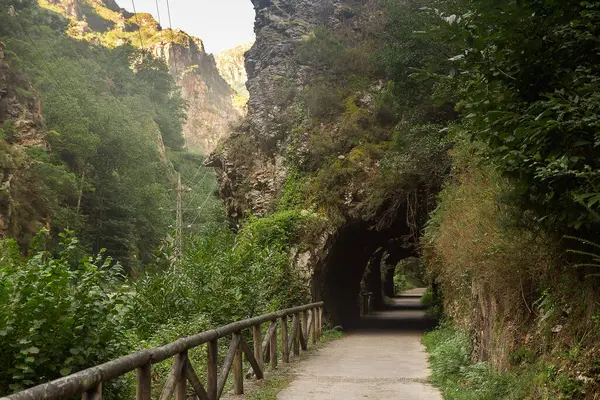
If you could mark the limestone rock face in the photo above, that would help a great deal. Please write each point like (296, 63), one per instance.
(209, 97)
(252, 164)
(20, 116)
(293, 154)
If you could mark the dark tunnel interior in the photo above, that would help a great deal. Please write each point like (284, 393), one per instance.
(338, 281)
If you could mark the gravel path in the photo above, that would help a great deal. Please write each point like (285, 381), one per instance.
(383, 360)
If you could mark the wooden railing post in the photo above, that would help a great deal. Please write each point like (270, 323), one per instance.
(257, 337)
(320, 323)
(313, 325)
(93, 394)
(173, 386)
(285, 352)
(273, 348)
(192, 377)
(211, 371)
(296, 328)
(143, 386)
(238, 373)
(304, 343)
(234, 347)
(181, 388)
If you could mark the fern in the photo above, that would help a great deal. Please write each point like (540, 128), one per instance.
(595, 257)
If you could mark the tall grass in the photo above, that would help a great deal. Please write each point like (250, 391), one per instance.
(515, 290)
(461, 379)
(486, 264)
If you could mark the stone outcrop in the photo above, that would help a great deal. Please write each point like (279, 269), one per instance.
(254, 161)
(252, 164)
(22, 127)
(293, 145)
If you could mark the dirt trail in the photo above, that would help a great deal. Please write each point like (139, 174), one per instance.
(383, 359)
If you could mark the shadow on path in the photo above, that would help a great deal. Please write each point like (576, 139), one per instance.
(403, 313)
(382, 358)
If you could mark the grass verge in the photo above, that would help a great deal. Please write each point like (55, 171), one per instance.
(458, 378)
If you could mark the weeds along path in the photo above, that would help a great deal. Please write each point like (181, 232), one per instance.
(383, 359)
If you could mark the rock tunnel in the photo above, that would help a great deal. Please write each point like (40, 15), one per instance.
(337, 281)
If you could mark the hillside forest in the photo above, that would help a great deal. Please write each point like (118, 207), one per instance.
(462, 133)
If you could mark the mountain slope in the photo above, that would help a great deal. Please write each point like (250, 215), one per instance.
(209, 97)
(84, 137)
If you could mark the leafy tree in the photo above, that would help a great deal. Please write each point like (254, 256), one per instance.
(529, 88)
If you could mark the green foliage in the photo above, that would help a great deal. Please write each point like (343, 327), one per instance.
(271, 387)
(8, 130)
(434, 305)
(69, 311)
(169, 106)
(590, 254)
(292, 195)
(529, 89)
(407, 274)
(202, 205)
(427, 299)
(108, 110)
(224, 276)
(459, 378)
(332, 334)
(414, 167)
(322, 99)
(322, 50)
(373, 129)
(58, 316)
(405, 51)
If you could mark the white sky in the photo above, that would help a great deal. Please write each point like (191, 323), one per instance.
(221, 24)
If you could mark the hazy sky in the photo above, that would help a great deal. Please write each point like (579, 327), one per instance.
(221, 24)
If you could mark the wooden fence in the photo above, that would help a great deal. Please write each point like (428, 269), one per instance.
(306, 323)
(366, 305)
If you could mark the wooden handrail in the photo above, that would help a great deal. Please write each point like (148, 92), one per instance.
(88, 383)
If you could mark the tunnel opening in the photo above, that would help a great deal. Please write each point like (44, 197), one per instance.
(358, 248)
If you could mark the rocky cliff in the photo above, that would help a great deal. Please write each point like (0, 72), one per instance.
(209, 97)
(253, 164)
(282, 76)
(22, 130)
(231, 65)
(318, 140)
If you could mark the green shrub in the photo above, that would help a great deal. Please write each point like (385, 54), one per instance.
(223, 277)
(427, 299)
(406, 274)
(323, 100)
(535, 102)
(461, 379)
(322, 50)
(8, 130)
(450, 352)
(58, 317)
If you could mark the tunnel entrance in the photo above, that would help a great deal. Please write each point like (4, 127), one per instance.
(356, 248)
